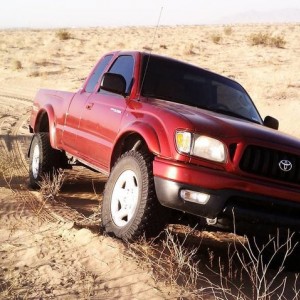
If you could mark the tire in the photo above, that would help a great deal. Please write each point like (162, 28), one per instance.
(43, 159)
(130, 208)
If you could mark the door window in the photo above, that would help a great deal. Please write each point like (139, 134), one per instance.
(97, 73)
(124, 66)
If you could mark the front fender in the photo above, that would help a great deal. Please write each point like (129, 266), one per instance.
(147, 132)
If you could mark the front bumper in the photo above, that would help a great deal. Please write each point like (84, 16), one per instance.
(231, 197)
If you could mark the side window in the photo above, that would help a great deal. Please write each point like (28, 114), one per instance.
(97, 73)
(124, 66)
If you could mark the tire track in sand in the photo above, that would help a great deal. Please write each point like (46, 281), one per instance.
(13, 145)
(15, 170)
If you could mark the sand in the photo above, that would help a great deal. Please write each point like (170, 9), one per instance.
(45, 251)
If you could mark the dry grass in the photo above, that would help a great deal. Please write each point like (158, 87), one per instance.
(249, 278)
(244, 274)
(51, 185)
(171, 262)
(7, 170)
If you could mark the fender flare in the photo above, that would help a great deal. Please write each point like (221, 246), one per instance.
(49, 111)
(147, 132)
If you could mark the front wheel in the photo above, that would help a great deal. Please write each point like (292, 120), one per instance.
(43, 159)
(130, 207)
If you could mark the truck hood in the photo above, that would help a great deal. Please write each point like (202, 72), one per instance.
(222, 126)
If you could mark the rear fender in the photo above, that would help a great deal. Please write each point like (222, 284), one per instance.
(47, 112)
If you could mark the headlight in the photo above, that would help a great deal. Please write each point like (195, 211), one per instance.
(183, 141)
(208, 148)
(200, 146)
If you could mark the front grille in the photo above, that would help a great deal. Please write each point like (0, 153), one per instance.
(271, 163)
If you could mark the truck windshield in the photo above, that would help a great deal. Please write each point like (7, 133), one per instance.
(179, 82)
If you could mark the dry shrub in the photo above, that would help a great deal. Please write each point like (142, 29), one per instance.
(34, 74)
(246, 273)
(277, 41)
(266, 39)
(51, 185)
(259, 39)
(228, 30)
(17, 65)
(42, 63)
(147, 48)
(170, 261)
(63, 35)
(190, 49)
(216, 38)
(251, 271)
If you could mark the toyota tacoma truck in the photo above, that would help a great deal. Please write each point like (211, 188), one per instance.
(169, 135)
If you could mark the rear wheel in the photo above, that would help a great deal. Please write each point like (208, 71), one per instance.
(130, 207)
(43, 159)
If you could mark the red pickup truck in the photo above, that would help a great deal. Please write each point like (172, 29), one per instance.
(169, 134)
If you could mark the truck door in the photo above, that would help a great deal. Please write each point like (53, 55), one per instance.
(102, 117)
(77, 107)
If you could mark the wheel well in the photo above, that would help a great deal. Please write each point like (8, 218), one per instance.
(42, 125)
(132, 141)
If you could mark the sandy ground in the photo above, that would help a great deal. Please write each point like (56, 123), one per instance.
(44, 251)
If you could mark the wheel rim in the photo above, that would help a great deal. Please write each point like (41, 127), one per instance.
(35, 161)
(124, 198)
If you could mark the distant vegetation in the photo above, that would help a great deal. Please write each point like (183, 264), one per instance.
(216, 38)
(266, 39)
(228, 30)
(17, 65)
(63, 35)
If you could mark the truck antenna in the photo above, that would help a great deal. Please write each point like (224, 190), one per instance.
(150, 52)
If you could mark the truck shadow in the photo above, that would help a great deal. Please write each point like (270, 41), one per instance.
(82, 190)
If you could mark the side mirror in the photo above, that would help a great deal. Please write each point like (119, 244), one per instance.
(271, 122)
(114, 83)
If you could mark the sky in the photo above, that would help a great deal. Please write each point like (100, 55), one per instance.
(113, 13)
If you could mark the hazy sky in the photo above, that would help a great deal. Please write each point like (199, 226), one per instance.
(78, 13)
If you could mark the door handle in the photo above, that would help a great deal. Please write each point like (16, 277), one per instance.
(89, 106)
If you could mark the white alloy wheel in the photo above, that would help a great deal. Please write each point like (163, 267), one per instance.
(43, 159)
(125, 198)
(35, 165)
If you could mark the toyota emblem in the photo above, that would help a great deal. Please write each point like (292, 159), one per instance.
(285, 165)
